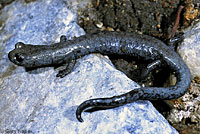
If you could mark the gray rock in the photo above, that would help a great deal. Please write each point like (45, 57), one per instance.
(39, 102)
(190, 49)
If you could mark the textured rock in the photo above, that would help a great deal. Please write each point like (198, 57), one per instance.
(39, 102)
(190, 49)
(186, 112)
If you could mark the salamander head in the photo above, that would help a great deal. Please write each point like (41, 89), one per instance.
(18, 55)
(31, 55)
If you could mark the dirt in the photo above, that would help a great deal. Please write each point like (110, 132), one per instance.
(152, 17)
(3, 3)
(155, 18)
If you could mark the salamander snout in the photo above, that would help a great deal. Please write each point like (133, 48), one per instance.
(17, 55)
(16, 58)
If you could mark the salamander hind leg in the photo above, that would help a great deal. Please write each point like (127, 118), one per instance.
(149, 68)
(69, 68)
(173, 41)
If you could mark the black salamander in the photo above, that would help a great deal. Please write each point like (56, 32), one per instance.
(131, 44)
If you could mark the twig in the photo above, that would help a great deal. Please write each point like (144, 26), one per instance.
(176, 22)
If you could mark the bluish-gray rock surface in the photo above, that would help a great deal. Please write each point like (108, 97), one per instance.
(190, 49)
(39, 102)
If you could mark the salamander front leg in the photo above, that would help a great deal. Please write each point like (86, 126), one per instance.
(69, 68)
(63, 39)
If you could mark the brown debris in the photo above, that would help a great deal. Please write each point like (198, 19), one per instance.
(197, 79)
(190, 13)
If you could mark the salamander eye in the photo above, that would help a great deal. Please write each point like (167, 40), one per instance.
(19, 57)
(19, 45)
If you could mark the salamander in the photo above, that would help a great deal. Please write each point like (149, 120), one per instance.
(120, 43)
